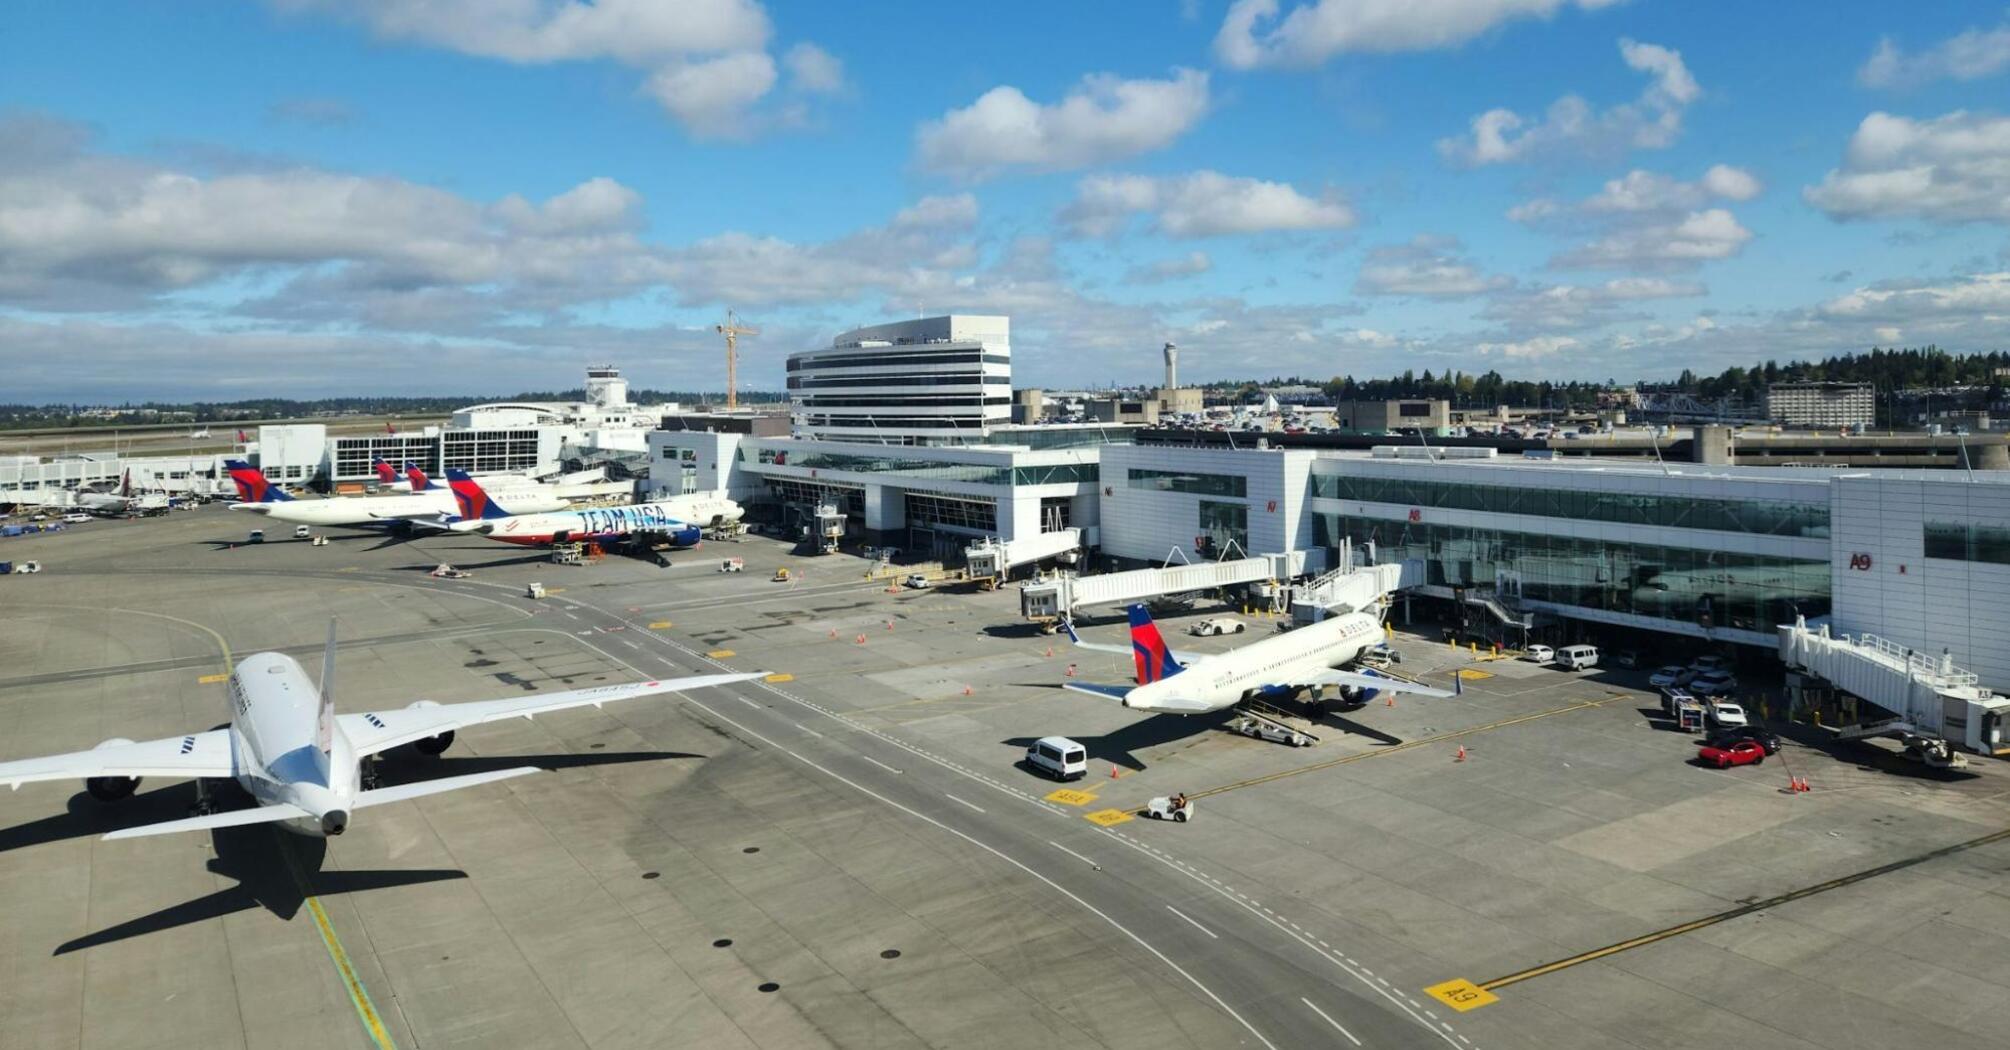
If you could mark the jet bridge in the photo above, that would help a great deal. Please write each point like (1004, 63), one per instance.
(1923, 696)
(1049, 601)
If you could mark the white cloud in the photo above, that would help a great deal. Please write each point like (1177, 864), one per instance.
(1192, 264)
(1971, 55)
(1200, 204)
(815, 70)
(1953, 168)
(1104, 118)
(1570, 126)
(1527, 349)
(711, 97)
(1252, 34)
(1695, 238)
(1645, 220)
(1571, 307)
(1983, 297)
(1428, 267)
(706, 60)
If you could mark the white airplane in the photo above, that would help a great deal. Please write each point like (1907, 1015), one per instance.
(681, 520)
(1194, 683)
(257, 495)
(303, 762)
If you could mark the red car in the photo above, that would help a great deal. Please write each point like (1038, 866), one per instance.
(1742, 753)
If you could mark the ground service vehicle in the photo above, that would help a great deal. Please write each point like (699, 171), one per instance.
(1577, 657)
(1217, 626)
(1058, 757)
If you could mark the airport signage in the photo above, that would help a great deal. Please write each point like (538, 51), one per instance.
(1860, 561)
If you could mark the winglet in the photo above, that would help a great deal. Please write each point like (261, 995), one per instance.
(324, 729)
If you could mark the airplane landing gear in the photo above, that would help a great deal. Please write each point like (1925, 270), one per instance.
(205, 803)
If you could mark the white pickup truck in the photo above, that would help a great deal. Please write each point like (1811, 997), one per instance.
(1218, 625)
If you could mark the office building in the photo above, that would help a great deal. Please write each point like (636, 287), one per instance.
(933, 380)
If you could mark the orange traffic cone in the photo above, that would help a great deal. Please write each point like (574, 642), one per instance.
(1113, 772)
(1071, 670)
(1050, 652)
(834, 632)
(966, 690)
(1392, 701)
(889, 625)
(860, 640)
(1461, 755)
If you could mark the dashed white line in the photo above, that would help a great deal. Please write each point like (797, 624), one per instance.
(744, 700)
(1075, 855)
(1190, 922)
(878, 763)
(1330, 1020)
(808, 730)
(959, 801)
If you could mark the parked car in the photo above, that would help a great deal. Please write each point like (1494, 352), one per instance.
(1742, 753)
(1669, 676)
(1767, 740)
(1577, 657)
(76, 519)
(1538, 654)
(1217, 625)
(1725, 715)
(915, 582)
(1627, 658)
(1710, 662)
(1716, 683)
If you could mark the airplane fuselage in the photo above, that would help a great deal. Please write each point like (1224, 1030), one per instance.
(683, 519)
(1222, 681)
(274, 725)
(375, 510)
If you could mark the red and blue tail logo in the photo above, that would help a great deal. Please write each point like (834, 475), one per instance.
(252, 486)
(385, 473)
(417, 478)
(1148, 649)
(474, 503)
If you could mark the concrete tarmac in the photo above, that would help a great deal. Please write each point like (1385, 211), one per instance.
(853, 855)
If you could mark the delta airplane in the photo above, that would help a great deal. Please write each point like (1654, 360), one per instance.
(1193, 683)
(415, 480)
(681, 519)
(300, 760)
(427, 501)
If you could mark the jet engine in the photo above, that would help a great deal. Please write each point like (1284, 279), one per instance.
(431, 745)
(111, 789)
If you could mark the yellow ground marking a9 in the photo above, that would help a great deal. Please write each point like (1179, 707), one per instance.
(1071, 797)
(212, 679)
(1461, 995)
(720, 654)
(1472, 675)
(782, 677)
(1107, 817)
(661, 625)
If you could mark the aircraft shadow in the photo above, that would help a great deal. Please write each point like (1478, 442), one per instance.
(1119, 748)
(1330, 716)
(402, 765)
(254, 857)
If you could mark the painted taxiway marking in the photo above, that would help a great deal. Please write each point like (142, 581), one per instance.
(359, 996)
(1107, 817)
(780, 677)
(1329, 1020)
(880, 764)
(1075, 855)
(1461, 995)
(810, 731)
(1070, 797)
(720, 654)
(1725, 916)
(661, 625)
(961, 802)
(1190, 922)
(212, 679)
(744, 700)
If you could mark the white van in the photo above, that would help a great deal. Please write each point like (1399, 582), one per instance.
(1577, 657)
(1058, 757)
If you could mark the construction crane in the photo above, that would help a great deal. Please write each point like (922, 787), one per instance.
(732, 330)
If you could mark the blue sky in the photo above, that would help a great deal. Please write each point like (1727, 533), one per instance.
(309, 196)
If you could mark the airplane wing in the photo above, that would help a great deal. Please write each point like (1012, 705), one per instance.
(375, 731)
(1379, 683)
(194, 755)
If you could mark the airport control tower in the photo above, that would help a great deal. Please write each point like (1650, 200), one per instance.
(1172, 367)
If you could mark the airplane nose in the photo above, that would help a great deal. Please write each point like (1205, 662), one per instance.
(334, 822)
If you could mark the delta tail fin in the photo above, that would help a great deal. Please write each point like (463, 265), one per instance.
(1148, 649)
(474, 504)
(386, 474)
(418, 479)
(252, 485)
